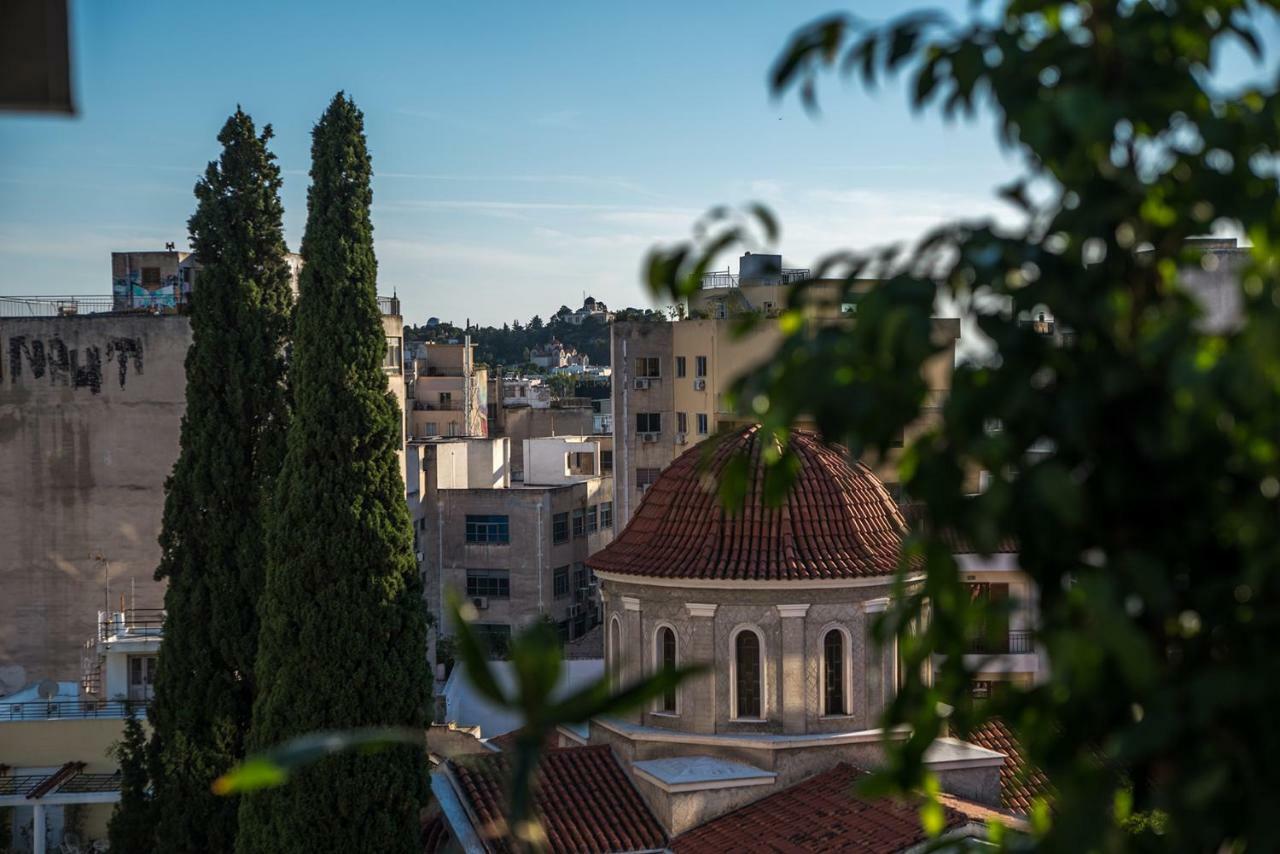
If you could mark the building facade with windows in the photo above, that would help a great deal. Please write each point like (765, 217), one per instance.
(512, 550)
(449, 393)
(670, 381)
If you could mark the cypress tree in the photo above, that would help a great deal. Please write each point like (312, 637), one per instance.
(343, 635)
(232, 446)
(132, 824)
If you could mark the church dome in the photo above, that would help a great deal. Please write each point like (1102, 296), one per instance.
(838, 521)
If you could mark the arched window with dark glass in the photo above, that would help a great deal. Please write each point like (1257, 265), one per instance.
(747, 675)
(666, 650)
(835, 694)
(615, 651)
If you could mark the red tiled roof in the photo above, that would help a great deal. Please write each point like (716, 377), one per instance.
(585, 801)
(822, 813)
(837, 522)
(1020, 783)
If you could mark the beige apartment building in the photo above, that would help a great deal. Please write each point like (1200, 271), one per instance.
(670, 378)
(91, 406)
(513, 550)
(449, 393)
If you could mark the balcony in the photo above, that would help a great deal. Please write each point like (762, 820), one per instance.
(1012, 643)
(725, 279)
(55, 709)
(133, 624)
(437, 406)
(389, 305)
(72, 306)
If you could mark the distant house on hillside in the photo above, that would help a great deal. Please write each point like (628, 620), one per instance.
(591, 311)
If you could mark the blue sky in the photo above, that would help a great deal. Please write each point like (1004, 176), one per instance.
(524, 153)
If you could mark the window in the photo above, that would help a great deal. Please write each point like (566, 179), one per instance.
(700, 366)
(606, 461)
(665, 657)
(593, 519)
(702, 424)
(560, 581)
(614, 652)
(151, 277)
(495, 637)
(488, 529)
(581, 579)
(431, 428)
(835, 699)
(746, 677)
(682, 422)
(560, 528)
(579, 522)
(648, 422)
(647, 366)
(493, 583)
(394, 355)
(680, 366)
(646, 478)
(606, 514)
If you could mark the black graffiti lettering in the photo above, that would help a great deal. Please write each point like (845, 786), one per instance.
(34, 352)
(121, 349)
(59, 363)
(88, 375)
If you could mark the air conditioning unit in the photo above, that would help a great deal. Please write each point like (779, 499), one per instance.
(481, 603)
(642, 384)
(418, 555)
(699, 385)
(648, 437)
(680, 439)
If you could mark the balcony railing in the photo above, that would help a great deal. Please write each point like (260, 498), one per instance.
(1013, 643)
(389, 305)
(725, 279)
(46, 710)
(54, 306)
(131, 624)
(437, 406)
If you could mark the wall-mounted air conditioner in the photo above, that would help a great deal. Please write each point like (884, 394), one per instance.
(642, 384)
(699, 385)
(481, 603)
(648, 437)
(681, 439)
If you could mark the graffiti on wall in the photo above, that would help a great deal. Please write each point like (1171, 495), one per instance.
(129, 292)
(70, 366)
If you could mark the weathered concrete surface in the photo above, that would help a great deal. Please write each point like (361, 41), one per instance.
(90, 413)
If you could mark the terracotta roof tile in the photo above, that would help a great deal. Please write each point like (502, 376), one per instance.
(823, 813)
(1020, 783)
(585, 800)
(838, 521)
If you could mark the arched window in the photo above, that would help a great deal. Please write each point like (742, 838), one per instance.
(615, 651)
(747, 677)
(835, 683)
(664, 655)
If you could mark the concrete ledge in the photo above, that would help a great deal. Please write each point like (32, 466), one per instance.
(696, 773)
(952, 754)
(755, 741)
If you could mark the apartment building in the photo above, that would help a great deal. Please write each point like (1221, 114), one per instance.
(450, 393)
(514, 550)
(670, 378)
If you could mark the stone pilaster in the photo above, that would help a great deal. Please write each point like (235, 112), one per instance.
(792, 666)
(699, 692)
(877, 678)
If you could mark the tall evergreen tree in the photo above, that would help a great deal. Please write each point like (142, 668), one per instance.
(232, 446)
(132, 825)
(343, 637)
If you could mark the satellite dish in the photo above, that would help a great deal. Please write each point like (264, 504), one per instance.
(47, 689)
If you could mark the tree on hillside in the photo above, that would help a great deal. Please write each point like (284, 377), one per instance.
(343, 635)
(1136, 463)
(232, 443)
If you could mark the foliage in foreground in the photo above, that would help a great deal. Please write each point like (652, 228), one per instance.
(343, 625)
(232, 444)
(1136, 462)
(537, 662)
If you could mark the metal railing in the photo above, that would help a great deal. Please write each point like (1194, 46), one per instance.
(389, 305)
(442, 406)
(55, 306)
(45, 710)
(725, 279)
(1013, 643)
(134, 622)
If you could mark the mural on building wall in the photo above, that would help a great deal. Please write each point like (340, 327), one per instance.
(129, 292)
(70, 366)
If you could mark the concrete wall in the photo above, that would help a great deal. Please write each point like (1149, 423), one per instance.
(90, 412)
(522, 422)
(547, 459)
